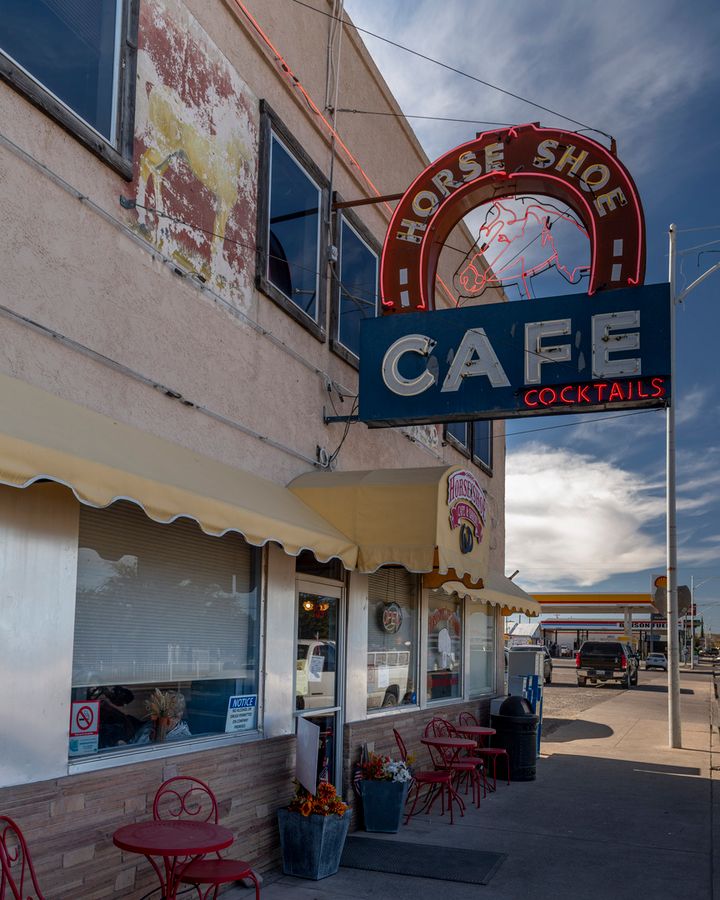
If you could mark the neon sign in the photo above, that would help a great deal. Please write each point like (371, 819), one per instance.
(501, 360)
(496, 261)
(521, 160)
(598, 393)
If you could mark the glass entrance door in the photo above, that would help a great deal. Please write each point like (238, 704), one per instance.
(319, 669)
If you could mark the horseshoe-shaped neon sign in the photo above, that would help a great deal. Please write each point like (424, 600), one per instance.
(521, 160)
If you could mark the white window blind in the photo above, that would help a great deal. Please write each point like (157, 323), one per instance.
(481, 641)
(160, 603)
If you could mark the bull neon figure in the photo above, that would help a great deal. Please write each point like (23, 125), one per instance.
(501, 230)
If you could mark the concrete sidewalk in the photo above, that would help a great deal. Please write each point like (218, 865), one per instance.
(613, 814)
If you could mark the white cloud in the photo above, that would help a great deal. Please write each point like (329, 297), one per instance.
(575, 520)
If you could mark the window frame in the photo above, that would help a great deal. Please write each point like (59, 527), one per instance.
(118, 156)
(492, 690)
(468, 450)
(428, 701)
(374, 246)
(271, 124)
(418, 667)
(128, 754)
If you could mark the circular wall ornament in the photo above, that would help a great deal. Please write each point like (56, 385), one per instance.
(391, 617)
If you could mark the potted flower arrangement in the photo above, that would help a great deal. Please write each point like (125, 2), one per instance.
(384, 788)
(313, 829)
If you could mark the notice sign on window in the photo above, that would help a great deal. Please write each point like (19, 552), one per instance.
(84, 727)
(241, 713)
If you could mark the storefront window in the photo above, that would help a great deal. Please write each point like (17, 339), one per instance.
(481, 641)
(392, 638)
(166, 632)
(444, 648)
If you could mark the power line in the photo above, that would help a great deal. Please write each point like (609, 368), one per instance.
(700, 228)
(638, 412)
(370, 112)
(450, 68)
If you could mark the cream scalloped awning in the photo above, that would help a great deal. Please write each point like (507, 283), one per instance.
(395, 516)
(498, 591)
(45, 437)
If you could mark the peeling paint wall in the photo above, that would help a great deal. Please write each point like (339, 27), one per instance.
(196, 137)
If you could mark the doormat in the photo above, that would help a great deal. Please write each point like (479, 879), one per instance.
(420, 860)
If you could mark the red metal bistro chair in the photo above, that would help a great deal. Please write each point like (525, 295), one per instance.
(488, 753)
(468, 768)
(188, 798)
(438, 782)
(17, 875)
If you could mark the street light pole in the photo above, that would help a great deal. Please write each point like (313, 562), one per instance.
(672, 596)
(692, 621)
(674, 730)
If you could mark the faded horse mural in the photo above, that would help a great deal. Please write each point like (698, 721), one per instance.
(195, 150)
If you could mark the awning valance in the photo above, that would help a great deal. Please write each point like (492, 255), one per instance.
(407, 517)
(498, 591)
(45, 437)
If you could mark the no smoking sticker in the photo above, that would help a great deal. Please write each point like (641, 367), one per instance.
(84, 718)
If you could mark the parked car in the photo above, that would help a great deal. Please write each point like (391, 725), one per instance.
(656, 661)
(547, 659)
(708, 651)
(565, 652)
(601, 661)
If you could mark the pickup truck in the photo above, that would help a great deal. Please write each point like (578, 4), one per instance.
(606, 661)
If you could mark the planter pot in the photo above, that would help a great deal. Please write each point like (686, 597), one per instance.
(383, 804)
(312, 845)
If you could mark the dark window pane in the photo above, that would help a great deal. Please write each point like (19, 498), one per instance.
(459, 431)
(482, 442)
(358, 287)
(294, 231)
(70, 47)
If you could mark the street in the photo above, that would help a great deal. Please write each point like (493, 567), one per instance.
(563, 700)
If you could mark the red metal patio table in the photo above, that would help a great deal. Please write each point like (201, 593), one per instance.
(449, 748)
(178, 843)
(480, 732)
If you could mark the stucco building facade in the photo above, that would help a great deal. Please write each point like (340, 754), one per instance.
(180, 309)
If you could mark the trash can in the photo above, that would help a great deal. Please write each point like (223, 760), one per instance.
(516, 730)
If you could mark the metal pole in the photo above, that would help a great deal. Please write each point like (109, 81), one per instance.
(675, 735)
(692, 621)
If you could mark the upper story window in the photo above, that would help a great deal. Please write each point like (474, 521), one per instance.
(356, 289)
(291, 248)
(75, 59)
(473, 439)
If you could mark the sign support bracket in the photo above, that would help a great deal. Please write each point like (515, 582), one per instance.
(331, 420)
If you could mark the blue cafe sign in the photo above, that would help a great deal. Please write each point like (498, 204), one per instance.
(569, 354)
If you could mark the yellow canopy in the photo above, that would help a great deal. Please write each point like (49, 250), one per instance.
(101, 460)
(395, 516)
(498, 591)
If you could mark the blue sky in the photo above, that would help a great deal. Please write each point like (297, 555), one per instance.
(586, 501)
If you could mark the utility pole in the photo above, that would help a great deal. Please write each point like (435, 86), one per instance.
(692, 621)
(674, 730)
(672, 594)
